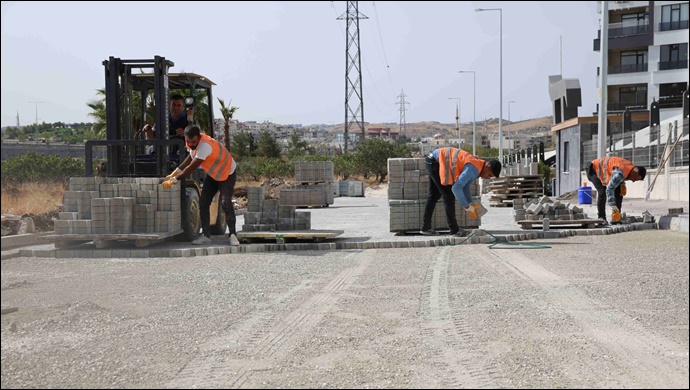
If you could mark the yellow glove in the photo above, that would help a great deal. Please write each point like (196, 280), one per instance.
(176, 172)
(615, 214)
(624, 190)
(472, 210)
(169, 183)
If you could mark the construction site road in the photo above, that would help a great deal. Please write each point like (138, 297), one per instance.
(601, 311)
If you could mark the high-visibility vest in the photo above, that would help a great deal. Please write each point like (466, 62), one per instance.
(218, 163)
(451, 162)
(604, 167)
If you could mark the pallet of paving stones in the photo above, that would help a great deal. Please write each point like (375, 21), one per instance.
(103, 240)
(281, 236)
(586, 223)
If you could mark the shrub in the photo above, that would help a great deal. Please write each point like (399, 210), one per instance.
(34, 166)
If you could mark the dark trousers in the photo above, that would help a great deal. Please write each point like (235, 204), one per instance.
(436, 191)
(211, 187)
(601, 193)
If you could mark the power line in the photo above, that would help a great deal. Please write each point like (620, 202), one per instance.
(383, 49)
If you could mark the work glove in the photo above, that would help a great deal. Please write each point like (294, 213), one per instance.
(176, 172)
(472, 210)
(169, 183)
(624, 190)
(615, 214)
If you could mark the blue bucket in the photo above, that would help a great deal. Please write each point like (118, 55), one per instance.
(584, 195)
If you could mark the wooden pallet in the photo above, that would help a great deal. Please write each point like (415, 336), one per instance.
(104, 240)
(555, 223)
(279, 237)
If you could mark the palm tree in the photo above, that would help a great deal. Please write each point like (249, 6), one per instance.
(98, 113)
(228, 112)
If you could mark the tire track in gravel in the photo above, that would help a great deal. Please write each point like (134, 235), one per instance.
(266, 336)
(456, 345)
(645, 356)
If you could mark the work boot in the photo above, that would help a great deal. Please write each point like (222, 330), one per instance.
(202, 241)
(429, 232)
(603, 223)
(460, 233)
(233, 240)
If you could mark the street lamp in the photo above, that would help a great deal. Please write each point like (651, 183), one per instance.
(500, 82)
(474, 111)
(509, 122)
(457, 118)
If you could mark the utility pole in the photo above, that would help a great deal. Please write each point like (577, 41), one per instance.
(402, 103)
(36, 103)
(354, 111)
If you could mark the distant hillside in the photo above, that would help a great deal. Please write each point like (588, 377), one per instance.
(428, 129)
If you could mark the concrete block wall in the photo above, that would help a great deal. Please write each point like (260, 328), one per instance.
(408, 186)
(269, 215)
(97, 205)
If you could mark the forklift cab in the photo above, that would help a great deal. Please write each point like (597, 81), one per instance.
(133, 100)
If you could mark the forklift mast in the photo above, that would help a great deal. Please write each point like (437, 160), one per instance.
(125, 153)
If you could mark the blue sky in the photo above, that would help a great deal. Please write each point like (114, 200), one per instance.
(285, 61)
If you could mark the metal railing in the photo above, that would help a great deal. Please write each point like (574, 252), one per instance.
(618, 30)
(668, 65)
(677, 25)
(649, 155)
(631, 68)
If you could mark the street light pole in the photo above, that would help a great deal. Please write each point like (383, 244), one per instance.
(36, 103)
(500, 82)
(509, 123)
(474, 111)
(457, 118)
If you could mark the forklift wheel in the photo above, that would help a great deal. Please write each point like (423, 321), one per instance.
(191, 218)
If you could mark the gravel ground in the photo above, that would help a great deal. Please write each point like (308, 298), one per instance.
(587, 312)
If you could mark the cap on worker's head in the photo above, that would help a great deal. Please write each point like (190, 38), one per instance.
(495, 166)
(642, 171)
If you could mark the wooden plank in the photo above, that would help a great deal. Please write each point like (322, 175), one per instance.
(280, 236)
(528, 224)
(110, 236)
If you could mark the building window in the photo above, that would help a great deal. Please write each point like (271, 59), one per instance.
(631, 61)
(633, 96)
(671, 95)
(674, 56)
(566, 156)
(674, 17)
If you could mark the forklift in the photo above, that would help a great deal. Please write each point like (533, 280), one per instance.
(129, 154)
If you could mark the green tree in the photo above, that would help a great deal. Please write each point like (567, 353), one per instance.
(345, 164)
(297, 146)
(267, 145)
(243, 146)
(227, 112)
(482, 151)
(373, 155)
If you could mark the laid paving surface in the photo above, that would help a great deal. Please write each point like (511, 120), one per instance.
(365, 225)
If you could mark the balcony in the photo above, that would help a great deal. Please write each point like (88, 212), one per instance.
(671, 101)
(618, 30)
(668, 65)
(670, 26)
(632, 68)
(621, 106)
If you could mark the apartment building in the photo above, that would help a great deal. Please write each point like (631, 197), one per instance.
(647, 55)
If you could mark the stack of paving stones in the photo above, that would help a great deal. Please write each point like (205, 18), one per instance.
(267, 215)
(408, 186)
(97, 205)
(351, 188)
(314, 185)
(537, 209)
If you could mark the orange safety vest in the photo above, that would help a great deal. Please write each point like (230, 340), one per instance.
(604, 167)
(451, 162)
(218, 163)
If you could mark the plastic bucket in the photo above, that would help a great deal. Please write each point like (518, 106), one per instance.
(584, 195)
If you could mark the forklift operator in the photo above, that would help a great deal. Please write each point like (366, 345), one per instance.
(177, 121)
